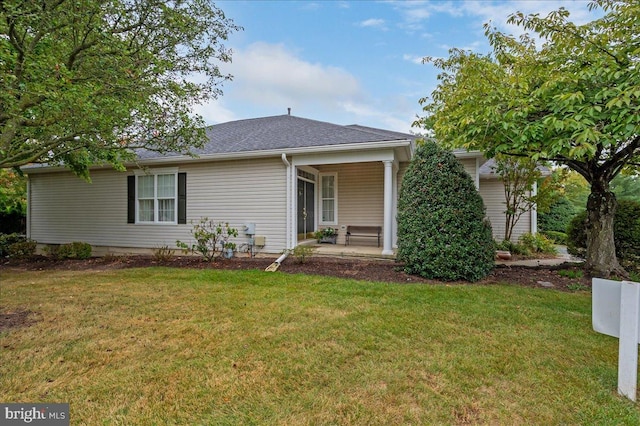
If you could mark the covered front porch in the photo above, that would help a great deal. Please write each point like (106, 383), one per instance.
(341, 190)
(341, 250)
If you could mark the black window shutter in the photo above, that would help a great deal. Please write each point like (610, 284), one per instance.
(131, 199)
(182, 198)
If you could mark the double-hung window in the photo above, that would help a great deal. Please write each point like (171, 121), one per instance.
(157, 197)
(328, 199)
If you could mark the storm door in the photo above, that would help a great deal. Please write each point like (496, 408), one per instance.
(306, 208)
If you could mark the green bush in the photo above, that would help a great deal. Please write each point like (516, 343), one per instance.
(442, 230)
(22, 250)
(75, 250)
(537, 243)
(163, 254)
(557, 237)
(558, 217)
(303, 252)
(513, 248)
(8, 239)
(211, 238)
(626, 231)
(577, 235)
(16, 246)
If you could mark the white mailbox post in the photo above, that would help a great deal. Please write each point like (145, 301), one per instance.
(616, 312)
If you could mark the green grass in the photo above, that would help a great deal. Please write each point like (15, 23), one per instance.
(175, 346)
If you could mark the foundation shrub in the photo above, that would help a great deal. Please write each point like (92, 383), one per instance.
(17, 246)
(442, 230)
(74, 250)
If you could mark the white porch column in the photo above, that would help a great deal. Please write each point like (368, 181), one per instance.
(388, 207)
(394, 208)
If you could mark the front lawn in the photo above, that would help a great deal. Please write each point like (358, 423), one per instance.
(180, 346)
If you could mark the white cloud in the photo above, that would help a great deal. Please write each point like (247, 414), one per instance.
(215, 112)
(269, 78)
(388, 118)
(413, 58)
(417, 13)
(269, 74)
(373, 23)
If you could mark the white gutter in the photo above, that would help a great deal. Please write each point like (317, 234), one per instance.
(467, 154)
(240, 155)
(288, 201)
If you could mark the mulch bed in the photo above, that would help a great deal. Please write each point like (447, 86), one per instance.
(359, 269)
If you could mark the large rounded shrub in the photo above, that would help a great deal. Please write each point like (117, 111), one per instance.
(442, 230)
(626, 232)
(558, 217)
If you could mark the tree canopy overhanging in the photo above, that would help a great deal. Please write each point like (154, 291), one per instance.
(89, 82)
(574, 100)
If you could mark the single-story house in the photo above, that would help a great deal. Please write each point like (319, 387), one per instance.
(276, 179)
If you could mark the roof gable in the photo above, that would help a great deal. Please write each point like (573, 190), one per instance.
(284, 132)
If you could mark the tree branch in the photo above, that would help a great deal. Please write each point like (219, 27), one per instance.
(624, 154)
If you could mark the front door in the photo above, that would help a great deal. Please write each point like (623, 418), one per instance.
(306, 208)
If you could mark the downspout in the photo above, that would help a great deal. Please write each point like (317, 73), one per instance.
(288, 202)
(534, 211)
(28, 224)
(275, 265)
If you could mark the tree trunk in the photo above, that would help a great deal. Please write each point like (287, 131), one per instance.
(601, 250)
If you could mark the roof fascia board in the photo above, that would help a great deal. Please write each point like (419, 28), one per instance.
(343, 157)
(468, 154)
(404, 143)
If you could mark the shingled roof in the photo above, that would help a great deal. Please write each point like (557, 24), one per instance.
(283, 132)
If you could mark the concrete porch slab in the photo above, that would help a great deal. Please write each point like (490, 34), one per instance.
(340, 250)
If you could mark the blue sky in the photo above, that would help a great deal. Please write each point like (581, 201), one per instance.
(352, 62)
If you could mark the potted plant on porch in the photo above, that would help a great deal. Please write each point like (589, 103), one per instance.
(327, 235)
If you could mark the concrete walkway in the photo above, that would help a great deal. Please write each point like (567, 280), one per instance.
(562, 257)
(368, 252)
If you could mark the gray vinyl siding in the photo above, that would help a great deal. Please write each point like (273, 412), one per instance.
(360, 196)
(64, 208)
(492, 192)
(469, 165)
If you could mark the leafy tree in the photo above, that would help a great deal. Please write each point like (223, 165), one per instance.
(13, 202)
(577, 190)
(13, 192)
(626, 187)
(573, 100)
(442, 230)
(518, 176)
(90, 81)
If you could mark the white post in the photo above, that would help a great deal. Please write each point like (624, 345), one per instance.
(628, 348)
(388, 207)
(534, 211)
(394, 207)
(288, 198)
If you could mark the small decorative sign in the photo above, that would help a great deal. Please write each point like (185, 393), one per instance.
(616, 313)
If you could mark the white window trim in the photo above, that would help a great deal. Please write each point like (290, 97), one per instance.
(155, 172)
(335, 198)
